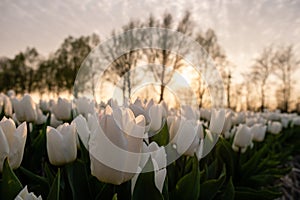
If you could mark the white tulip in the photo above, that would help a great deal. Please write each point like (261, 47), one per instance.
(85, 127)
(61, 144)
(205, 114)
(156, 113)
(189, 113)
(296, 121)
(85, 106)
(54, 122)
(217, 121)
(258, 132)
(41, 118)
(186, 135)
(159, 160)
(5, 105)
(25, 109)
(227, 125)
(25, 195)
(274, 127)
(62, 109)
(12, 142)
(242, 138)
(285, 121)
(115, 145)
(44, 106)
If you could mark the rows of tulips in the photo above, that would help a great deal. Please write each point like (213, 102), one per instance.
(53, 150)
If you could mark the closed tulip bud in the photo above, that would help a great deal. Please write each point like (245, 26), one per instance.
(242, 138)
(5, 105)
(115, 145)
(274, 127)
(205, 114)
(217, 121)
(189, 113)
(12, 142)
(250, 121)
(62, 109)
(186, 135)
(25, 109)
(25, 195)
(85, 106)
(159, 160)
(227, 123)
(44, 106)
(285, 121)
(296, 121)
(41, 118)
(61, 144)
(258, 132)
(156, 113)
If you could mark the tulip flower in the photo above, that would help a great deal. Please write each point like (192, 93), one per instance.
(156, 113)
(205, 114)
(115, 145)
(296, 121)
(40, 117)
(285, 121)
(227, 125)
(5, 105)
(159, 159)
(242, 138)
(186, 135)
(44, 106)
(12, 142)
(54, 122)
(62, 109)
(25, 109)
(61, 144)
(258, 132)
(25, 195)
(217, 121)
(274, 127)
(189, 113)
(85, 106)
(85, 127)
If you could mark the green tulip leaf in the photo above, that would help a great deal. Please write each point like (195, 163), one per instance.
(209, 188)
(78, 180)
(10, 186)
(145, 187)
(54, 193)
(188, 187)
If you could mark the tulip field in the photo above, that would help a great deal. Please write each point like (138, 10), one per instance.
(81, 149)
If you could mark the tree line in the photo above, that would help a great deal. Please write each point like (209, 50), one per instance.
(28, 71)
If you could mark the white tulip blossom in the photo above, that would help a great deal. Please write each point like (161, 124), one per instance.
(274, 127)
(242, 138)
(25, 109)
(114, 142)
(85, 106)
(25, 195)
(5, 105)
(258, 132)
(62, 109)
(61, 144)
(296, 121)
(185, 134)
(217, 121)
(12, 142)
(159, 159)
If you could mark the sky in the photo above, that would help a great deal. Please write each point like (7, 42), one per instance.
(243, 27)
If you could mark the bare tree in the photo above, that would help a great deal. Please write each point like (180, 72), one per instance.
(261, 72)
(209, 42)
(285, 65)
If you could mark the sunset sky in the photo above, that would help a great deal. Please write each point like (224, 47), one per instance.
(243, 28)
